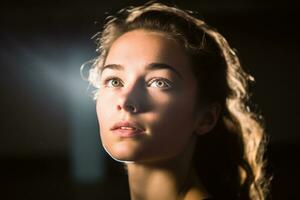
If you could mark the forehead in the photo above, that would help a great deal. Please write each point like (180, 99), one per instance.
(140, 47)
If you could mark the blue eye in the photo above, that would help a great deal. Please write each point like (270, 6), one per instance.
(160, 83)
(113, 82)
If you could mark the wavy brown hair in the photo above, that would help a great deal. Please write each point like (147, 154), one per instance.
(229, 160)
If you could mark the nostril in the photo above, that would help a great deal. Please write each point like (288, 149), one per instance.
(119, 107)
(128, 107)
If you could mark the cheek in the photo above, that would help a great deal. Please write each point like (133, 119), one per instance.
(178, 116)
(174, 118)
(104, 109)
(176, 106)
(104, 115)
(104, 106)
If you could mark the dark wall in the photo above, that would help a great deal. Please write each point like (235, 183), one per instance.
(41, 42)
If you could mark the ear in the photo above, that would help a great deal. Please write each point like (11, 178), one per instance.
(208, 118)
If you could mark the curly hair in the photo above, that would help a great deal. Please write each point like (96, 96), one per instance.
(230, 159)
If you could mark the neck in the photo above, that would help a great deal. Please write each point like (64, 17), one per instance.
(171, 179)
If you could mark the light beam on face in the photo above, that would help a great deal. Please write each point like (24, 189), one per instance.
(152, 74)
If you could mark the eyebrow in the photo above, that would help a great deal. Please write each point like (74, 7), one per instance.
(151, 66)
(111, 66)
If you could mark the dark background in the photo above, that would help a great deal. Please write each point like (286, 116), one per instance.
(43, 44)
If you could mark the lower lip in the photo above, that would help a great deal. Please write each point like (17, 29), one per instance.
(128, 132)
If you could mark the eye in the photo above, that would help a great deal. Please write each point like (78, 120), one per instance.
(160, 83)
(113, 82)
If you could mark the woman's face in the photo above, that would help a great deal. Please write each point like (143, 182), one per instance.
(147, 85)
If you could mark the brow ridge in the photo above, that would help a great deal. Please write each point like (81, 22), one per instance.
(151, 66)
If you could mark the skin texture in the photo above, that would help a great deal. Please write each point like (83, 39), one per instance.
(164, 105)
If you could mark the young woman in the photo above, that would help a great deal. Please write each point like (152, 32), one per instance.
(172, 106)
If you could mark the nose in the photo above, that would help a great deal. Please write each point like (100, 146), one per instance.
(130, 99)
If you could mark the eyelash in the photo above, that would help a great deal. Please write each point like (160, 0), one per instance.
(166, 82)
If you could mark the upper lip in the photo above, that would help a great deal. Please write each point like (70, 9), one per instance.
(127, 124)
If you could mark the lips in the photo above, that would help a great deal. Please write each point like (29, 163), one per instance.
(124, 125)
(127, 129)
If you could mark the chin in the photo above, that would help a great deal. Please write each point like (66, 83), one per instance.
(123, 153)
